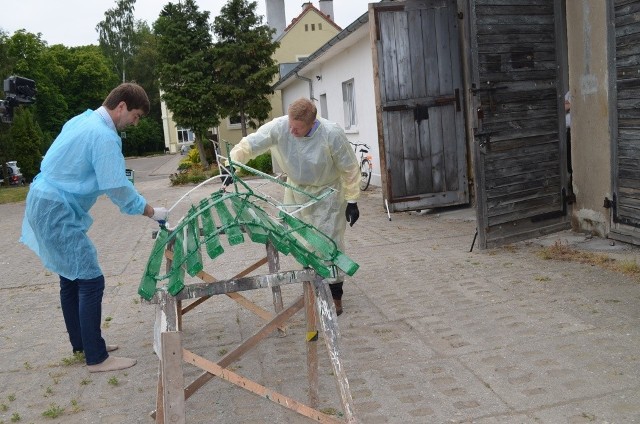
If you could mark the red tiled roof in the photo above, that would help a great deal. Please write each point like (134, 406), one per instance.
(309, 7)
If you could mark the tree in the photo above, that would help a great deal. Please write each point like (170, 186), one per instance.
(143, 138)
(26, 138)
(143, 68)
(88, 77)
(244, 62)
(187, 69)
(116, 35)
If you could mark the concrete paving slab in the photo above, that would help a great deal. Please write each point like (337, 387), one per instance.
(431, 333)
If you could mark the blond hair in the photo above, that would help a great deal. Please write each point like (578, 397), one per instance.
(303, 110)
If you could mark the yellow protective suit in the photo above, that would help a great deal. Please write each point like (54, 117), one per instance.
(323, 159)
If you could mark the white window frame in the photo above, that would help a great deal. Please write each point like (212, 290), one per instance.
(233, 125)
(191, 137)
(349, 106)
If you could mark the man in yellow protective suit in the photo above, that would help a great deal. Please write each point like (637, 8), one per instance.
(316, 155)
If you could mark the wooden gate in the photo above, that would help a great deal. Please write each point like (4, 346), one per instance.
(626, 125)
(419, 95)
(518, 81)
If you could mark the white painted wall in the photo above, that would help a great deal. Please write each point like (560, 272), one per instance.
(353, 62)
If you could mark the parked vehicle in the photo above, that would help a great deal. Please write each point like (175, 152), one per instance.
(15, 175)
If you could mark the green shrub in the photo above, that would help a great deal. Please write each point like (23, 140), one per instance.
(262, 163)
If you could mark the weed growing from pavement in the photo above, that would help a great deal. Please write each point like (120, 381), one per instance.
(107, 322)
(329, 411)
(113, 381)
(76, 358)
(562, 252)
(11, 397)
(15, 417)
(54, 411)
(85, 382)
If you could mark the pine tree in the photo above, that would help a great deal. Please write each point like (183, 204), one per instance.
(187, 69)
(245, 67)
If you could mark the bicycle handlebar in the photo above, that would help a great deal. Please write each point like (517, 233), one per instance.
(360, 144)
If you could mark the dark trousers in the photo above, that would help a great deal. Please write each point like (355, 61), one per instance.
(81, 302)
(336, 290)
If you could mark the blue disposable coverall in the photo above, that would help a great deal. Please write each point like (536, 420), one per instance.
(84, 162)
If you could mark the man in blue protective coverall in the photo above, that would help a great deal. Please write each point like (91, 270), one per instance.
(84, 162)
(316, 155)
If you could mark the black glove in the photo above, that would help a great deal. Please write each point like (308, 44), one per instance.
(227, 179)
(352, 213)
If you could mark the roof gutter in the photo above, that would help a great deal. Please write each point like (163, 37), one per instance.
(310, 85)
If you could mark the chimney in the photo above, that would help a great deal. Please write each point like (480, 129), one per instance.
(326, 7)
(275, 16)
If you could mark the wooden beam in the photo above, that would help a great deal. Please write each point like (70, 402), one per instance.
(172, 378)
(258, 389)
(328, 320)
(247, 345)
(312, 343)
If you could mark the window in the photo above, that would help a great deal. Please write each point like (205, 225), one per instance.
(324, 110)
(306, 27)
(313, 27)
(234, 122)
(349, 105)
(319, 27)
(185, 135)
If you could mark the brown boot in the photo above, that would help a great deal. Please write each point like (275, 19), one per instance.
(338, 303)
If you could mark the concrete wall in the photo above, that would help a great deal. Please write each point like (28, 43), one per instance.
(590, 129)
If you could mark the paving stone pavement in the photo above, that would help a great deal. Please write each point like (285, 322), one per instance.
(432, 333)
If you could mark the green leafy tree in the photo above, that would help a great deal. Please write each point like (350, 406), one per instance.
(116, 34)
(26, 138)
(187, 69)
(6, 61)
(244, 62)
(146, 137)
(143, 68)
(87, 77)
(32, 59)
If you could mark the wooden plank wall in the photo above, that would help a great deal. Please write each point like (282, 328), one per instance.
(416, 66)
(517, 70)
(627, 170)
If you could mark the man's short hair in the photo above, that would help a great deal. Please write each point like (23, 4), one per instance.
(303, 110)
(132, 94)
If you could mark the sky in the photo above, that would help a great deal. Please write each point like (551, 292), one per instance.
(73, 22)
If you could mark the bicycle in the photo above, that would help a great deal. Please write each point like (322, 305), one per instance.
(366, 164)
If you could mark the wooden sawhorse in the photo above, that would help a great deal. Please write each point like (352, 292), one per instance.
(319, 309)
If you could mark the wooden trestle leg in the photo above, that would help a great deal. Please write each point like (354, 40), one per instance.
(319, 310)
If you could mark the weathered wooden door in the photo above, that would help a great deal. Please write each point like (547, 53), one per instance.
(518, 81)
(626, 150)
(418, 85)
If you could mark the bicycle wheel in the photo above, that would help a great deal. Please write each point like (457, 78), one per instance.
(365, 174)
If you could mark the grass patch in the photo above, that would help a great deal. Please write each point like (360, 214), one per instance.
(54, 411)
(13, 194)
(563, 252)
(76, 358)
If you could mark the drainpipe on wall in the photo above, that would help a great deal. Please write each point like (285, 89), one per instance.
(310, 85)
